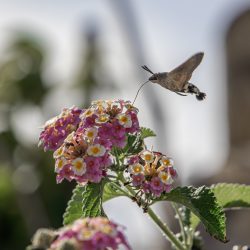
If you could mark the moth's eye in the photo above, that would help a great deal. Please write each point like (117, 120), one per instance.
(153, 78)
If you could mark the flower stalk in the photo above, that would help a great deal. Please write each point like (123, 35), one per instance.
(164, 228)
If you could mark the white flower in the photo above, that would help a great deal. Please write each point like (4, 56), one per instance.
(147, 156)
(124, 120)
(99, 104)
(60, 162)
(166, 161)
(102, 118)
(91, 133)
(136, 169)
(96, 150)
(87, 113)
(79, 166)
(85, 234)
(58, 153)
(165, 177)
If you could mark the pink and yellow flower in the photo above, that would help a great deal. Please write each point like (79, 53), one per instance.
(125, 120)
(148, 173)
(96, 150)
(166, 161)
(136, 169)
(103, 118)
(165, 177)
(91, 133)
(83, 139)
(79, 166)
(147, 156)
(58, 128)
(60, 163)
(91, 234)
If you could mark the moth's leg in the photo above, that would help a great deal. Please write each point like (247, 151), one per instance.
(179, 93)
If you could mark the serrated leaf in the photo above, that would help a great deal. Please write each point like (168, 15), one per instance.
(86, 201)
(229, 196)
(232, 195)
(92, 200)
(74, 207)
(202, 202)
(112, 190)
(134, 144)
(147, 132)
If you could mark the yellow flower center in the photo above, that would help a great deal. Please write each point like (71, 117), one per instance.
(60, 164)
(88, 112)
(87, 234)
(78, 165)
(58, 152)
(90, 134)
(124, 119)
(166, 162)
(107, 229)
(102, 119)
(164, 177)
(95, 150)
(137, 169)
(147, 157)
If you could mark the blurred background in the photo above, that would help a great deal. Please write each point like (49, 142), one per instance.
(55, 54)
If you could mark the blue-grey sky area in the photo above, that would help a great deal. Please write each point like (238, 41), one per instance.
(169, 32)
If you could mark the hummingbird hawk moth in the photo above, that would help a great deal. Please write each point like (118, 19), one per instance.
(177, 80)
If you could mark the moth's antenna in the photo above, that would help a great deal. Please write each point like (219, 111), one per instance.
(139, 91)
(147, 69)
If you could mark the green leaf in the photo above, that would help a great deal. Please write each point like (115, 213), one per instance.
(186, 216)
(112, 190)
(92, 200)
(74, 207)
(86, 201)
(232, 195)
(229, 196)
(147, 132)
(134, 145)
(202, 202)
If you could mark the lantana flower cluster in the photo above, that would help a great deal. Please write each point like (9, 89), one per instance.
(83, 139)
(58, 128)
(91, 234)
(151, 172)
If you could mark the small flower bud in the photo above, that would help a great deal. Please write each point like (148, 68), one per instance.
(43, 238)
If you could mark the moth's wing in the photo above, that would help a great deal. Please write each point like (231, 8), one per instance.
(183, 73)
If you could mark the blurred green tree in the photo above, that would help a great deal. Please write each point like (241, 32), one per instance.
(29, 196)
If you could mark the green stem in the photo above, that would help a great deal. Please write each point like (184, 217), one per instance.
(122, 190)
(180, 222)
(167, 232)
(164, 228)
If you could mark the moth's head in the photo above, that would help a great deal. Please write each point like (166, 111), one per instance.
(153, 78)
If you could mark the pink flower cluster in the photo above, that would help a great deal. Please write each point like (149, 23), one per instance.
(151, 172)
(83, 147)
(59, 127)
(91, 234)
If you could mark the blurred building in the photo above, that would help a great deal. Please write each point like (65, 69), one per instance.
(237, 166)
